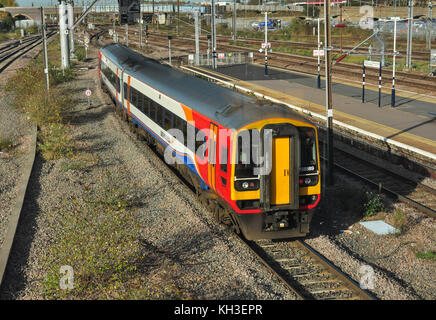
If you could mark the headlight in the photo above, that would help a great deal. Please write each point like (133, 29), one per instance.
(245, 185)
(309, 181)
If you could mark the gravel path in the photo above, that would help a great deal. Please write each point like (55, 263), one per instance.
(205, 259)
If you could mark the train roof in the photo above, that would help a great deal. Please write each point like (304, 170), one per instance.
(222, 105)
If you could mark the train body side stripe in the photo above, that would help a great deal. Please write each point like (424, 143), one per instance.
(186, 158)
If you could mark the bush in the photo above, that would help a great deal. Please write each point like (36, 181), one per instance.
(80, 53)
(372, 204)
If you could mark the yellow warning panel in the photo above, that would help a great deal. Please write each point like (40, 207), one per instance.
(280, 179)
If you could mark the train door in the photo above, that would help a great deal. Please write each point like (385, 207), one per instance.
(222, 167)
(280, 188)
(280, 175)
(212, 155)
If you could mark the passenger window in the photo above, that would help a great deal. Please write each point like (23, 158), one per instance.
(200, 143)
(152, 110)
(159, 114)
(168, 119)
(223, 159)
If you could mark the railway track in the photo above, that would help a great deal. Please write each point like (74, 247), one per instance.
(417, 55)
(9, 55)
(305, 271)
(418, 195)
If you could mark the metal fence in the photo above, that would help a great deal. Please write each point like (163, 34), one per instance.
(223, 59)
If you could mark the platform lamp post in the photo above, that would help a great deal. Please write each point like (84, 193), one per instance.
(393, 63)
(328, 91)
(429, 25)
(140, 26)
(169, 48)
(409, 36)
(319, 57)
(214, 62)
(266, 43)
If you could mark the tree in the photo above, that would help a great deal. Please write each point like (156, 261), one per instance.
(7, 3)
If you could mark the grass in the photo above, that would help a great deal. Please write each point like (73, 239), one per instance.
(5, 143)
(80, 53)
(80, 162)
(7, 36)
(399, 219)
(48, 111)
(427, 255)
(98, 235)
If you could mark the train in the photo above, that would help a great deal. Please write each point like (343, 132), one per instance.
(253, 163)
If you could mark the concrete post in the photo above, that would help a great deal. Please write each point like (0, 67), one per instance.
(70, 10)
(234, 20)
(63, 35)
(197, 39)
(429, 26)
(409, 36)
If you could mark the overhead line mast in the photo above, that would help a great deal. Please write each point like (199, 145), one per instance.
(328, 91)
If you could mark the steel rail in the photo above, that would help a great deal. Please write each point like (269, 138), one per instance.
(380, 185)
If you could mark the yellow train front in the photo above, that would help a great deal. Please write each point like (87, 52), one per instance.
(274, 196)
(255, 164)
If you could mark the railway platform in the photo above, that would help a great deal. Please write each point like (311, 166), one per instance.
(409, 125)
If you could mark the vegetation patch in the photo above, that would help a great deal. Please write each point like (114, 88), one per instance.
(80, 53)
(47, 110)
(427, 255)
(399, 220)
(372, 204)
(80, 162)
(5, 143)
(98, 236)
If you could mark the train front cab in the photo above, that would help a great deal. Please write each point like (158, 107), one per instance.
(278, 204)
